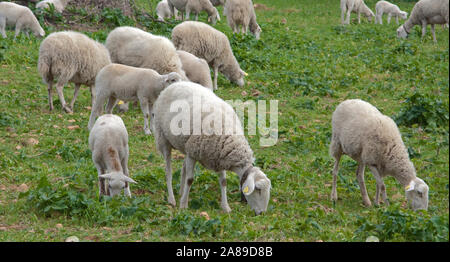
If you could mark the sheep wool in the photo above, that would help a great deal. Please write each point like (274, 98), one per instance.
(21, 17)
(70, 57)
(372, 139)
(210, 44)
(213, 146)
(59, 5)
(425, 12)
(242, 13)
(196, 69)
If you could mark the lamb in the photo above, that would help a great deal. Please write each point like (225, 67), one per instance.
(392, 10)
(214, 149)
(69, 56)
(59, 5)
(21, 17)
(127, 83)
(355, 6)
(242, 12)
(195, 6)
(425, 12)
(108, 141)
(210, 44)
(197, 69)
(372, 139)
(163, 11)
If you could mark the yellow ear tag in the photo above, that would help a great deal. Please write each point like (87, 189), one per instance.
(245, 74)
(120, 102)
(245, 189)
(407, 187)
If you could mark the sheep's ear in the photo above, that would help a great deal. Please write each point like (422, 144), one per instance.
(218, 16)
(243, 72)
(106, 176)
(262, 183)
(128, 179)
(411, 186)
(249, 185)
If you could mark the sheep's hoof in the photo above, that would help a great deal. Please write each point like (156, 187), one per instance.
(147, 131)
(226, 209)
(367, 203)
(67, 109)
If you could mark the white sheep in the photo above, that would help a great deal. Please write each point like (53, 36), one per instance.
(195, 7)
(21, 17)
(70, 57)
(163, 11)
(127, 83)
(355, 6)
(196, 69)
(108, 141)
(242, 13)
(59, 5)
(220, 147)
(425, 12)
(210, 44)
(372, 139)
(384, 7)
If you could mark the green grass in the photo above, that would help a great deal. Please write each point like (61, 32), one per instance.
(306, 61)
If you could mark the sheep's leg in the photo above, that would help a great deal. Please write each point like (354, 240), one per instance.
(101, 181)
(343, 11)
(216, 71)
(381, 188)
(18, 28)
(362, 185)
(3, 26)
(433, 33)
(110, 105)
(223, 192)
(337, 158)
(50, 94)
(389, 18)
(92, 89)
(196, 17)
(190, 164)
(59, 89)
(396, 19)
(359, 18)
(347, 20)
(97, 109)
(145, 110)
(124, 163)
(424, 28)
(166, 151)
(75, 95)
(183, 177)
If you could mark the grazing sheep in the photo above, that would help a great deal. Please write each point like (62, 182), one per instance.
(242, 13)
(425, 12)
(218, 148)
(372, 139)
(163, 11)
(108, 141)
(355, 6)
(127, 83)
(58, 4)
(210, 44)
(196, 69)
(384, 7)
(21, 17)
(70, 57)
(195, 6)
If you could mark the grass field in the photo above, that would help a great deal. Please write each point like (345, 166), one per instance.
(308, 62)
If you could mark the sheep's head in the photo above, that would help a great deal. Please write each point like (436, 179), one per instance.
(39, 33)
(256, 31)
(401, 32)
(256, 189)
(116, 181)
(403, 15)
(233, 73)
(369, 14)
(417, 194)
(171, 78)
(214, 17)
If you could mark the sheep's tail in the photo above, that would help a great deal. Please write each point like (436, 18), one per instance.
(44, 67)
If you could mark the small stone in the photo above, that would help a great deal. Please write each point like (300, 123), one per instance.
(372, 239)
(205, 215)
(59, 226)
(72, 239)
(22, 188)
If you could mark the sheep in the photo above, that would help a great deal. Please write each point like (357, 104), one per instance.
(210, 44)
(242, 12)
(372, 139)
(196, 6)
(69, 56)
(199, 141)
(108, 141)
(127, 83)
(59, 5)
(163, 11)
(425, 12)
(196, 69)
(355, 6)
(392, 10)
(21, 17)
